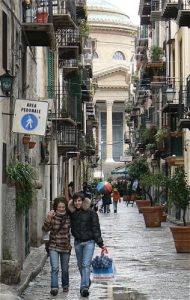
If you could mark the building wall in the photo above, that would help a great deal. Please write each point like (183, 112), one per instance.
(113, 84)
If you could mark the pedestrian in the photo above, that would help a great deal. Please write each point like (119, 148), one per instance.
(106, 201)
(71, 190)
(116, 198)
(85, 228)
(86, 191)
(59, 225)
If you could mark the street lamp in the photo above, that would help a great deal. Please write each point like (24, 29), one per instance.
(6, 83)
(170, 93)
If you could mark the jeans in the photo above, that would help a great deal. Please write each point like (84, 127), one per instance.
(84, 252)
(106, 208)
(54, 261)
(115, 206)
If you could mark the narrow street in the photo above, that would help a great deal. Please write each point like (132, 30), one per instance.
(147, 264)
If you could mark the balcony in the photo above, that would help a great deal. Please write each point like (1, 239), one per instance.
(183, 18)
(142, 38)
(174, 143)
(67, 139)
(70, 67)
(174, 146)
(68, 42)
(64, 14)
(170, 9)
(184, 121)
(81, 9)
(144, 7)
(173, 101)
(155, 11)
(37, 26)
(65, 108)
(145, 20)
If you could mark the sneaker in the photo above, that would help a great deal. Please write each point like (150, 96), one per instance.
(65, 290)
(54, 292)
(84, 293)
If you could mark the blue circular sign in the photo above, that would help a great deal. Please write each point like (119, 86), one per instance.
(29, 122)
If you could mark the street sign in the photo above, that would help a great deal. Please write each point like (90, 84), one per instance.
(30, 117)
(128, 158)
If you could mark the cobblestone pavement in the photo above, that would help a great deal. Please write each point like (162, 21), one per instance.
(147, 264)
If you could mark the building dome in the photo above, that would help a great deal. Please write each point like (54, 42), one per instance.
(103, 12)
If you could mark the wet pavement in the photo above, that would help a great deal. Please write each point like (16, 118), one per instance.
(148, 267)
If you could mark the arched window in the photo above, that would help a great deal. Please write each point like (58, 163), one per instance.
(95, 55)
(118, 55)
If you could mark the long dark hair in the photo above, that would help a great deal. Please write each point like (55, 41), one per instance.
(60, 200)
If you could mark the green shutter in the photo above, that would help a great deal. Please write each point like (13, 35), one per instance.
(51, 74)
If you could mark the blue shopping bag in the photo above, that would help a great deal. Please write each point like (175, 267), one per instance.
(103, 268)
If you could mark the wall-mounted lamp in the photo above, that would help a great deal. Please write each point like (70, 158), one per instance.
(170, 93)
(6, 83)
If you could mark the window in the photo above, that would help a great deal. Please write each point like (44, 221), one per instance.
(4, 40)
(118, 55)
(95, 55)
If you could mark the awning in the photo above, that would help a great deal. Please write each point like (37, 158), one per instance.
(120, 171)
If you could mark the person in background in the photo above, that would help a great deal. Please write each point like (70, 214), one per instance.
(86, 191)
(106, 201)
(59, 225)
(116, 198)
(71, 190)
(85, 228)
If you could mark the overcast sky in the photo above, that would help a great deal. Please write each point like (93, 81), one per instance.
(130, 7)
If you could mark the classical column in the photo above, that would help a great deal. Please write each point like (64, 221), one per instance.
(109, 140)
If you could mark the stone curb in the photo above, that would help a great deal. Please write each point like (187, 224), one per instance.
(31, 276)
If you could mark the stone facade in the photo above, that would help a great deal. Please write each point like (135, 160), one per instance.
(114, 36)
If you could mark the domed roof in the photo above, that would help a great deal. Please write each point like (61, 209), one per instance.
(101, 11)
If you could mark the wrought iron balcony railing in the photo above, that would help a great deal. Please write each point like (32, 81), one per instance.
(183, 17)
(170, 9)
(67, 37)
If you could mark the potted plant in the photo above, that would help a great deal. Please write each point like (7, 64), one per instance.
(23, 176)
(160, 135)
(153, 185)
(138, 168)
(179, 195)
(156, 53)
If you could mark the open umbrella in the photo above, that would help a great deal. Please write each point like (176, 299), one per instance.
(104, 187)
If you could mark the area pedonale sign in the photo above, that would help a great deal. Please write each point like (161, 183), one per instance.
(30, 117)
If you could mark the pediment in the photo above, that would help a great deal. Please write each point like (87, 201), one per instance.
(115, 77)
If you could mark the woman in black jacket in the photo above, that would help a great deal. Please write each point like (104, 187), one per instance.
(85, 228)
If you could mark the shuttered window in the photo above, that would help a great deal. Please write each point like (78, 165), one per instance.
(51, 75)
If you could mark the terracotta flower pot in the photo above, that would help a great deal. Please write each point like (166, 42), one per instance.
(26, 139)
(142, 203)
(163, 218)
(151, 216)
(181, 236)
(32, 144)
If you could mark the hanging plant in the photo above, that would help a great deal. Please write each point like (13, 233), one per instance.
(84, 28)
(23, 176)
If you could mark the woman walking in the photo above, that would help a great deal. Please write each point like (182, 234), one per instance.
(85, 228)
(116, 198)
(58, 223)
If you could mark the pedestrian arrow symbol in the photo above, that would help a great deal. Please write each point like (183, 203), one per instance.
(29, 122)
